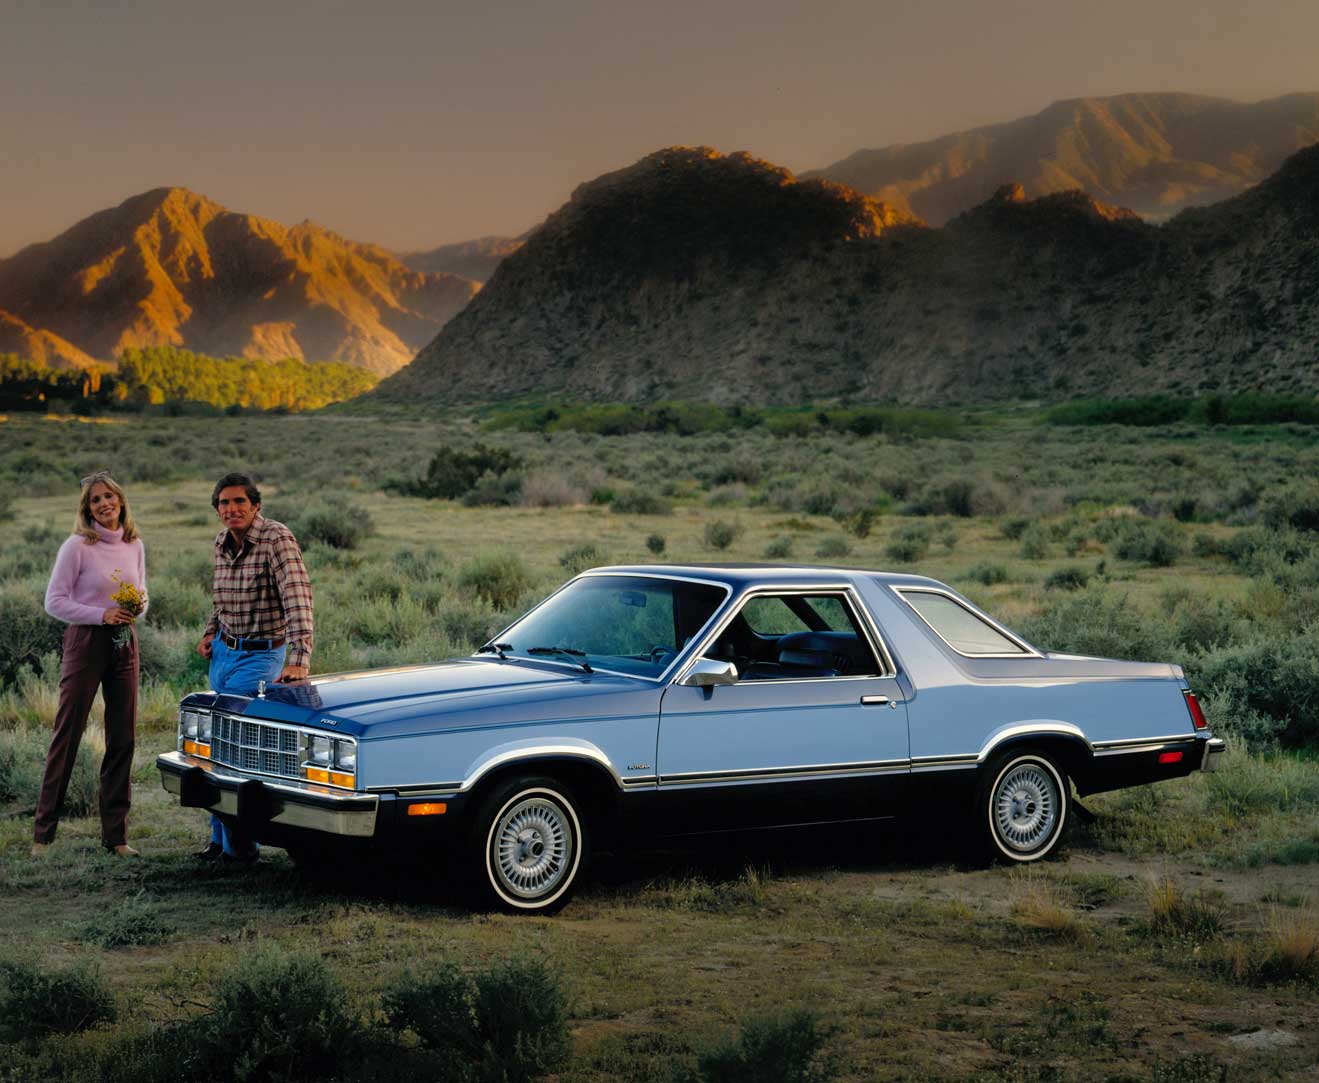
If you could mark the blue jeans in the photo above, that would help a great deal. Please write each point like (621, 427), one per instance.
(237, 673)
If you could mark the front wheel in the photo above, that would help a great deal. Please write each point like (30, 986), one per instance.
(531, 843)
(1024, 804)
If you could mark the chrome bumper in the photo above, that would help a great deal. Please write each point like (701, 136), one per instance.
(1215, 750)
(201, 784)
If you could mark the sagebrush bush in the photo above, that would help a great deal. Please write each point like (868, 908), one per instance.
(175, 602)
(131, 923)
(23, 762)
(1069, 578)
(507, 1024)
(29, 632)
(909, 543)
(779, 549)
(988, 573)
(655, 543)
(493, 490)
(833, 547)
(344, 525)
(36, 1002)
(1102, 623)
(640, 502)
(580, 557)
(1295, 506)
(280, 1016)
(500, 578)
(453, 471)
(1276, 675)
(1034, 542)
(786, 1047)
(720, 534)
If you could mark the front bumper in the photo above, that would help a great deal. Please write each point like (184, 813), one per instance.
(1215, 750)
(254, 802)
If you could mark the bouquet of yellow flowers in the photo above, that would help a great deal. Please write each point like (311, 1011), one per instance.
(131, 597)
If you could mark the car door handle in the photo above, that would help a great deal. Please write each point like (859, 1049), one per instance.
(877, 701)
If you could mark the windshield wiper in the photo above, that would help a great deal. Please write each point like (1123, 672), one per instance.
(577, 656)
(495, 648)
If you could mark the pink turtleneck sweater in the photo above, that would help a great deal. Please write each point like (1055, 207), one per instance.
(84, 575)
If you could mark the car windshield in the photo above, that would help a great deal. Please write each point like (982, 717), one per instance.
(626, 623)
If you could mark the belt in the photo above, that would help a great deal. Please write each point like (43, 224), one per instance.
(246, 643)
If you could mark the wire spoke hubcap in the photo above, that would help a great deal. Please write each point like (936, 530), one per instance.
(1026, 807)
(533, 847)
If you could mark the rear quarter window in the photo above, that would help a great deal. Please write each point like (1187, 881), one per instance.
(963, 630)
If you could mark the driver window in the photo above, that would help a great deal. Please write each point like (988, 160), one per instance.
(795, 636)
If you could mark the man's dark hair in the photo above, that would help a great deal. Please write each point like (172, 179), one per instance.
(253, 493)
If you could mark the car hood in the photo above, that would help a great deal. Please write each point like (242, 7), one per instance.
(462, 692)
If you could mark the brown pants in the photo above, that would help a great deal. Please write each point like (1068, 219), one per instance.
(91, 660)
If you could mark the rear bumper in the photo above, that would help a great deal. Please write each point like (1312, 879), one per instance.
(1215, 750)
(255, 803)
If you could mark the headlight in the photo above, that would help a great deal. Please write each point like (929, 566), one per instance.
(345, 755)
(318, 751)
(204, 727)
(189, 721)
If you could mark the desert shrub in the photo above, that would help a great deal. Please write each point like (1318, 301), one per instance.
(1276, 676)
(1149, 410)
(786, 1047)
(454, 471)
(424, 567)
(1295, 506)
(1069, 578)
(1147, 541)
(1259, 551)
(720, 534)
(550, 489)
(580, 557)
(958, 497)
(280, 1016)
(131, 923)
(860, 522)
(344, 525)
(1197, 1068)
(1097, 622)
(1013, 528)
(23, 762)
(1248, 785)
(499, 578)
(640, 502)
(194, 567)
(833, 547)
(173, 602)
(988, 573)
(508, 1024)
(779, 549)
(655, 543)
(909, 543)
(493, 490)
(1034, 541)
(36, 1003)
(29, 632)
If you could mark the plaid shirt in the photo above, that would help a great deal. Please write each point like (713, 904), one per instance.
(263, 591)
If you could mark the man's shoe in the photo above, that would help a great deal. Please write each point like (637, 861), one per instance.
(240, 860)
(210, 852)
(124, 850)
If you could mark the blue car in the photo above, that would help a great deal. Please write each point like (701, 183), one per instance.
(662, 701)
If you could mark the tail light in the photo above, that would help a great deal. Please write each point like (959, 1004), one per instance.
(1197, 715)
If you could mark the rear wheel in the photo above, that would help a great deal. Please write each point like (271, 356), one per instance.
(1023, 800)
(530, 842)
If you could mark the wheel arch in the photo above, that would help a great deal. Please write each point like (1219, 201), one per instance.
(592, 783)
(1064, 743)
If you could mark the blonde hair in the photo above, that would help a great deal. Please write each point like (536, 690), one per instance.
(82, 520)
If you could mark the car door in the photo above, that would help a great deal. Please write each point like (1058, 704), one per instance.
(804, 736)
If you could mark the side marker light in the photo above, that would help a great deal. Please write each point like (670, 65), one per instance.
(429, 808)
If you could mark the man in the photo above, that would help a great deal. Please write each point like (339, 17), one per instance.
(260, 627)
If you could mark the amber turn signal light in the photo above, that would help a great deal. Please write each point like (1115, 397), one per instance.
(193, 748)
(428, 808)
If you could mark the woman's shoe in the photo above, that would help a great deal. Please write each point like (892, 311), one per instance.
(39, 849)
(124, 850)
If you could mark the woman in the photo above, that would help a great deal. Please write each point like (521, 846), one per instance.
(104, 553)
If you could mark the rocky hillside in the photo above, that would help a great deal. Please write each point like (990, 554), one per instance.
(1155, 153)
(476, 259)
(171, 267)
(694, 275)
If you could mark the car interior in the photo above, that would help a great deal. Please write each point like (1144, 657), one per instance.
(819, 649)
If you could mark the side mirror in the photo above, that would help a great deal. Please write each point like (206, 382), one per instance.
(708, 672)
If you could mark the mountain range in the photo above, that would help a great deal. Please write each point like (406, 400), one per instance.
(1155, 153)
(476, 259)
(173, 268)
(723, 278)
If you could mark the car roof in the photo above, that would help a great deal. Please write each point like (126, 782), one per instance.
(739, 576)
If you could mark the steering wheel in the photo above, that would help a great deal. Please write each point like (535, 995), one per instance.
(661, 653)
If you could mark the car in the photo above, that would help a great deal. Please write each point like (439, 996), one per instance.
(639, 703)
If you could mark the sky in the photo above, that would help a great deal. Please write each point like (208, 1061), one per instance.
(412, 124)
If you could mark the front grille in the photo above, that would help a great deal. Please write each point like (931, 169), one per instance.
(255, 746)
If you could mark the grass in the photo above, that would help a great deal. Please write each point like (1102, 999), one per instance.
(919, 967)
